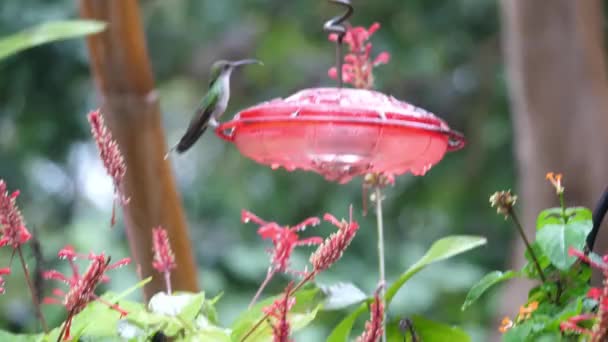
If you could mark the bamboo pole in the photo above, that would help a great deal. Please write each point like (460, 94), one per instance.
(122, 73)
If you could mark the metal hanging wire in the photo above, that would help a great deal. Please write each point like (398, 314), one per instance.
(335, 25)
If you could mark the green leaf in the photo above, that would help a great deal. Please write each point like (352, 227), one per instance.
(209, 310)
(485, 283)
(46, 33)
(303, 312)
(342, 330)
(554, 216)
(427, 331)
(341, 295)
(555, 238)
(7, 336)
(440, 250)
(193, 308)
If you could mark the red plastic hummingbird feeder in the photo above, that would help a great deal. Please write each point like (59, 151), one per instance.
(342, 133)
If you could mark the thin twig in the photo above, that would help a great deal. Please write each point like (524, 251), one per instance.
(520, 229)
(35, 301)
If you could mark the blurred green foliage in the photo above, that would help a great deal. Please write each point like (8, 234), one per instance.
(445, 58)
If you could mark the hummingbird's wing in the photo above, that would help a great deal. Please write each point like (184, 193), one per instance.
(198, 124)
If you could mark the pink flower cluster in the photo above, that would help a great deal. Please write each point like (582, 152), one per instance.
(358, 64)
(277, 312)
(14, 232)
(81, 286)
(374, 327)
(334, 246)
(3, 271)
(164, 259)
(599, 331)
(285, 239)
(110, 155)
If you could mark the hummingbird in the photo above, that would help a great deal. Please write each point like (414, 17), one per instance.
(213, 105)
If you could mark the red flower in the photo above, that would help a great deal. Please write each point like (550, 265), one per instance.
(164, 259)
(81, 287)
(284, 240)
(3, 271)
(333, 247)
(14, 232)
(358, 64)
(109, 153)
(374, 327)
(599, 332)
(277, 311)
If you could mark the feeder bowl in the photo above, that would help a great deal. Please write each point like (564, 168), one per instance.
(341, 133)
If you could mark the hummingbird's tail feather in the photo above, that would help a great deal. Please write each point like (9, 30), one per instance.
(190, 137)
(195, 130)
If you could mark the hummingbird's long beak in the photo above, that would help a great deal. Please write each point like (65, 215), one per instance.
(245, 61)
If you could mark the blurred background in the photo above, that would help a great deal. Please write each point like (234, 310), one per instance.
(446, 58)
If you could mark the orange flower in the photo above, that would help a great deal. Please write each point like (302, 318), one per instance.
(556, 181)
(505, 325)
(526, 311)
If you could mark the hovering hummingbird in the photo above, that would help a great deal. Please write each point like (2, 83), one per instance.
(214, 103)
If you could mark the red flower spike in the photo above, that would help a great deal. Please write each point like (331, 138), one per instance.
(374, 327)
(81, 287)
(110, 155)
(284, 240)
(3, 271)
(333, 247)
(14, 233)
(572, 324)
(358, 64)
(277, 312)
(599, 332)
(164, 259)
(594, 293)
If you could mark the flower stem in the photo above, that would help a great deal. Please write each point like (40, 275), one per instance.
(520, 229)
(269, 275)
(382, 277)
(562, 204)
(168, 282)
(35, 300)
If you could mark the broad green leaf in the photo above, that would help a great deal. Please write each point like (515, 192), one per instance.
(440, 250)
(485, 283)
(46, 33)
(554, 216)
(342, 330)
(304, 311)
(427, 331)
(556, 238)
(207, 335)
(341, 295)
(192, 309)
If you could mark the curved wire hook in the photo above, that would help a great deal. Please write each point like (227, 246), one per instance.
(335, 25)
